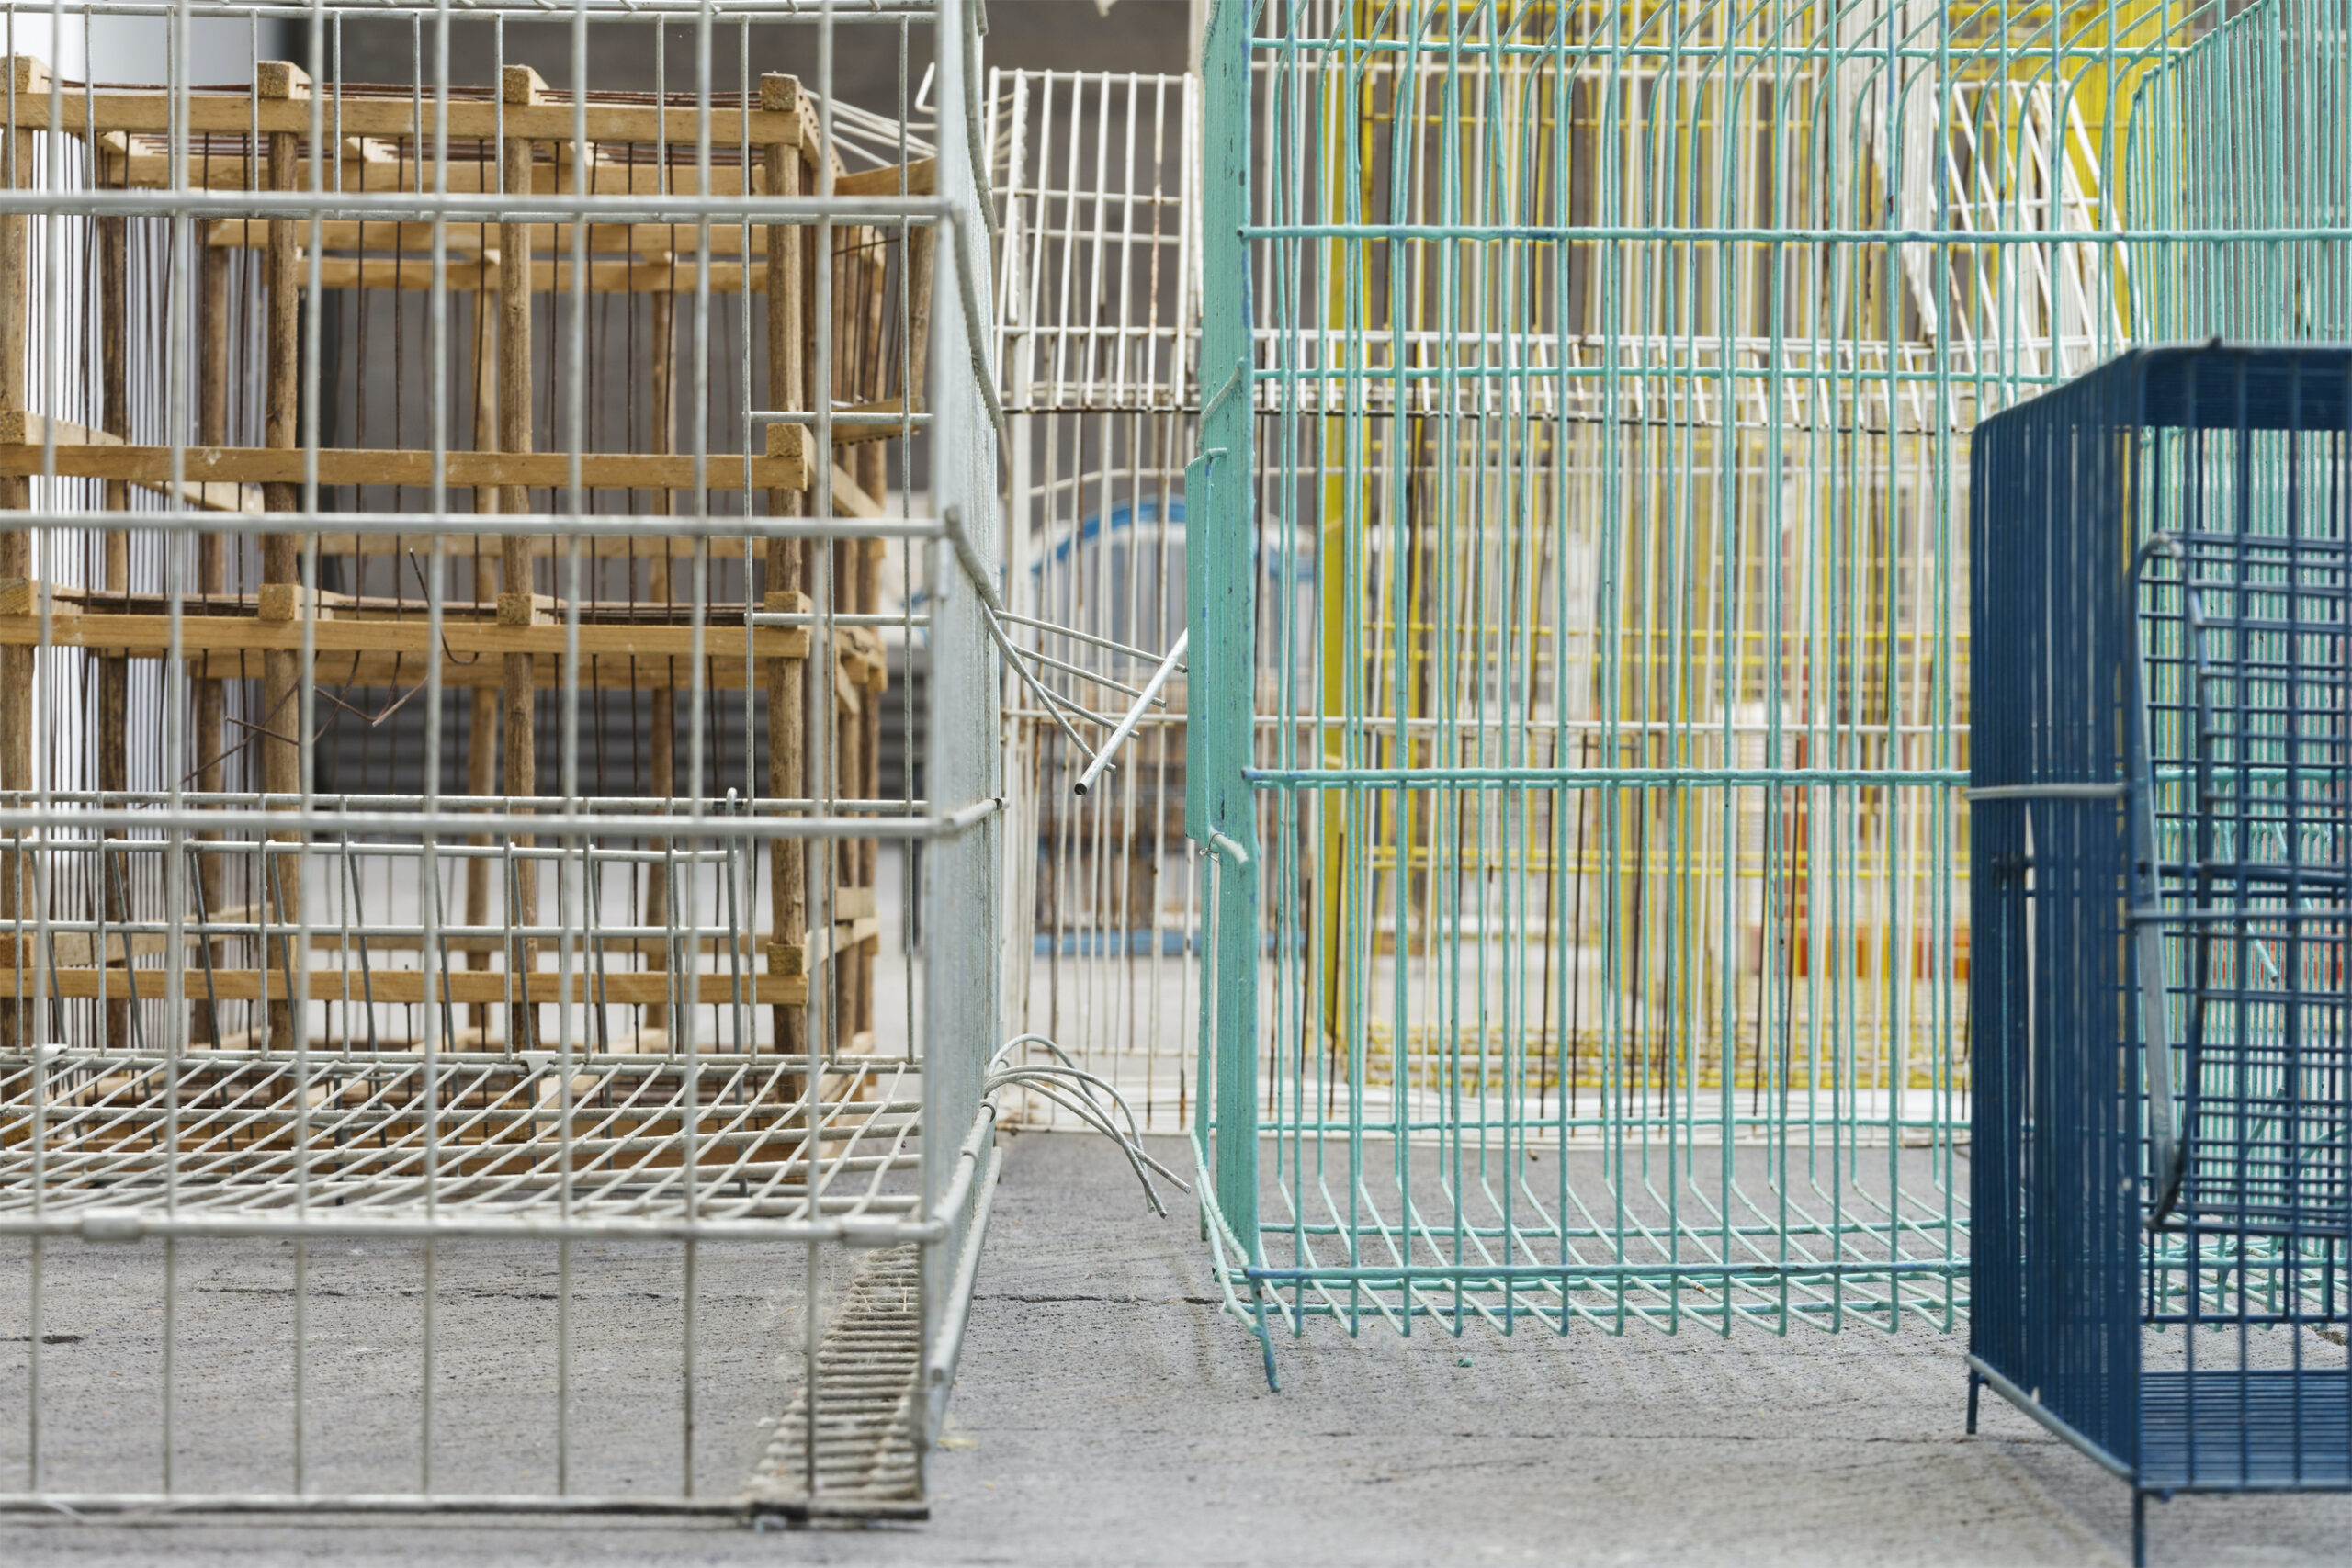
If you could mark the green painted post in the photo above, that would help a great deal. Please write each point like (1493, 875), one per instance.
(1221, 544)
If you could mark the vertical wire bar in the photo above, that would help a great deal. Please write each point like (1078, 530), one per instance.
(305, 912)
(687, 1010)
(178, 74)
(820, 741)
(433, 958)
(437, 382)
(747, 507)
(568, 888)
(910, 390)
(21, 173)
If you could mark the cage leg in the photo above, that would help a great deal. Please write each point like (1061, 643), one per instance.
(481, 779)
(789, 258)
(113, 673)
(206, 754)
(1975, 1386)
(17, 1027)
(519, 85)
(662, 753)
(2138, 1528)
(662, 768)
(516, 726)
(1265, 1339)
(788, 949)
(869, 557)
(281, 595)
(482, 725)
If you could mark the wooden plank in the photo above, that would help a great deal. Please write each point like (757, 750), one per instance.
(853, 426)
(281, 754)
(612, 946)
(922, 174)
(850, 499)
(28, 77)
(789, 250)
(481, 779)
(550, 241)
(393, 673)
(858, 651)
(139, 634)
(781, 94)
(114, 675)
(783, 468)
(923, 252)
(604, 546)
(657, 276)
(468, 172)
(659, 744)
(210, 703)
(820, 944)
(407, 988)
(233, 114)
(34, 430)
(519, 86)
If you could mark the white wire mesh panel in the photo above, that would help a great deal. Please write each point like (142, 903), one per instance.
(1097, 323)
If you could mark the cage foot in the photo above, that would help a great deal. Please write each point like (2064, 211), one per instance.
(1975, 1385)
(2138, 1528)
(1265, 1340)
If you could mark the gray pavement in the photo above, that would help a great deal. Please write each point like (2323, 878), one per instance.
(1107, 1413)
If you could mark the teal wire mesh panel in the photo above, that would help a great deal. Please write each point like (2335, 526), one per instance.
(1580, 615)
(2240, 138)
(2242, 135)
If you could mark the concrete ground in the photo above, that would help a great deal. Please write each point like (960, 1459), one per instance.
(1107, 1413)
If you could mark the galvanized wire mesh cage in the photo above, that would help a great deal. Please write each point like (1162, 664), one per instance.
(2163, 1071)
(451, 520)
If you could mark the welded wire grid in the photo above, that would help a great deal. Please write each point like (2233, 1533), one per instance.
(299, 942)
(2248, 714)
(2235, 135)
(1615, 368)
(2165, 1084)
(2243, 611)
(1098, 302)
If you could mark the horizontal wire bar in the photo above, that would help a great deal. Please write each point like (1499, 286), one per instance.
(534, 10)
(884, 419)
(471, 208)
(56, 844)
(126, 1225)
(680, 805)
(331, 928)
(1436, 58)
(1596, 778)
(14, 821)
(2163, 916)
(2076, 791)
(470, 525)
(1146, 655)
(341, 1060)
(1471, 1274)
(1697, 234)
(359, 1501)
(791, 618)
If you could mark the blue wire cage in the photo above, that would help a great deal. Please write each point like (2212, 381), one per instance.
(2162, 831)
